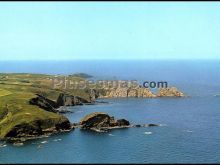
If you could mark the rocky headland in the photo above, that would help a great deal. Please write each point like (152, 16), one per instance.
(62, 100)
(30, 108)
(140, 92)
(169, 92)
(38, 128)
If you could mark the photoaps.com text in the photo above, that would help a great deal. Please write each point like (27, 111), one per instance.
(66, 83)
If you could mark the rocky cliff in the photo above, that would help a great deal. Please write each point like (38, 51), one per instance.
(101, 122)
(53, 106)
(69, 100)
(140, 92)
(38, 128)
(127, 92)
(44, 103)
(169, 92)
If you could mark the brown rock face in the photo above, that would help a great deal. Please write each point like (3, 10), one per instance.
(44, 103)
(118, 92)
(122, 122)
(98, 121)
(169, 92)
(63, 100)
(69, 100)
(145, 92)
(38, 128)
(25, 130)
(128, 92)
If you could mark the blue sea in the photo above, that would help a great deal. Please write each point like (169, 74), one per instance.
(189, 131)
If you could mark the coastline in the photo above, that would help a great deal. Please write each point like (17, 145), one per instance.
(47, 104)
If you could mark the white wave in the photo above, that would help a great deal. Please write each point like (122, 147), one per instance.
(2, 145)
(18, 144)
(111, 134)
(43, 142)
(147, 133)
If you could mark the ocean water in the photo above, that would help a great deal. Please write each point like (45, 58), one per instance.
(189, 131)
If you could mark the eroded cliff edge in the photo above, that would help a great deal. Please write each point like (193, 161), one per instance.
(30, 107)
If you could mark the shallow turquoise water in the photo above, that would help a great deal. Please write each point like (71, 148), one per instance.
(190, 131)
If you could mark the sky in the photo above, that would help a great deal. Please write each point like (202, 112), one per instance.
(109, 30)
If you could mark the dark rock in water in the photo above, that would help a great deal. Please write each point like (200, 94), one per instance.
(137, 125)
(96, 119)
(102, 102)
(122, 122)
(101, 122)
(151, 125)
(69, 100)
(145, 125)
(65, 125)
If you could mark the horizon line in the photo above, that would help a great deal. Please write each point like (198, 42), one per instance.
(113, 59)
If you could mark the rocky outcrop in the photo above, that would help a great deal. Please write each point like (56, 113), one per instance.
(38, 128)
(140, 92)
(101, 122)
(44, 103)
(128, 92)
(96, 121)
(122, 122)
(146, 125)
(94, 94)
(55, 106)
(169, 92)
(144, 92)
(69, 100)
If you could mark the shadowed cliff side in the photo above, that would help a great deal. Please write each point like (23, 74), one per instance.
(62, 100)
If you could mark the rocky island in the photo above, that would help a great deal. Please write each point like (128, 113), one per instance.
(103, 122)
(30, 107)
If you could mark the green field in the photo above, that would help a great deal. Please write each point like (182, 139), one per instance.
(15, 92)
(4, 92)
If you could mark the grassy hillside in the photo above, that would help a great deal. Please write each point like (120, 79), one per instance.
(15, 92)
